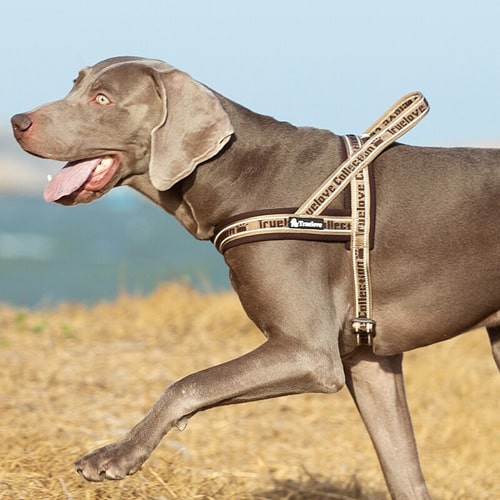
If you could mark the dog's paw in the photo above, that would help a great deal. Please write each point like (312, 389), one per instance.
(114, 461)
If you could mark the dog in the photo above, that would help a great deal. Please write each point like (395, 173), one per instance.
(204, 159)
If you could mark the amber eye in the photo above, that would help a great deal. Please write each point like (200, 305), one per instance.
(102, 100)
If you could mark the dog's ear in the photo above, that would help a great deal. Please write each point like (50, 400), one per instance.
(194, 128)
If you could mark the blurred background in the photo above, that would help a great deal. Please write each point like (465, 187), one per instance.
(334, 65)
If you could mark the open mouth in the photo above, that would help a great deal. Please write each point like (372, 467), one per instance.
(82, 180)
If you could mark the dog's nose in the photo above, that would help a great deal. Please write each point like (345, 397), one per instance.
(21, 122)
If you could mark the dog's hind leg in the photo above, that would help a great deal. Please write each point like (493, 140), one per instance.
(377, 387)
(494, 334)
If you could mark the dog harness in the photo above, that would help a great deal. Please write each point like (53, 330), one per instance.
(353, 225)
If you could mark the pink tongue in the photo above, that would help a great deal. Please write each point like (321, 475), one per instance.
(69, 179)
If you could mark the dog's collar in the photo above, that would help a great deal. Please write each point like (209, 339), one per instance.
(312, 220)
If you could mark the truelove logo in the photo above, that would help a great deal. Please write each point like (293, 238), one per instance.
(306, 223)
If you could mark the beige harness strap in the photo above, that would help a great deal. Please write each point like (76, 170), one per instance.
(400, 118)
(284, 224)
(312, 221)
(363, 325)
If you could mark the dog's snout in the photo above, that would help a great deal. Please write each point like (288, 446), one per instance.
(21, 122)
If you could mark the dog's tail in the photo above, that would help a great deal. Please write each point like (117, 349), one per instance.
(494, 334)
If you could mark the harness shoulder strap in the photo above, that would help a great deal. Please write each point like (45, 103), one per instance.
(363, 324)
(400, 118)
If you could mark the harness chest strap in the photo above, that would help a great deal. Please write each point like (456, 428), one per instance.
(283, 224)
(312, 221)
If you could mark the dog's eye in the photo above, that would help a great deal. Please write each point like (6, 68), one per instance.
(102, 100)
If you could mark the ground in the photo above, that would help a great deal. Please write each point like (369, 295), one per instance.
(73, 378)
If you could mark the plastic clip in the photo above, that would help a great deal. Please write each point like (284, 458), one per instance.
(364, 329)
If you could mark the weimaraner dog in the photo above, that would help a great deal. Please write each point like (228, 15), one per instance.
(203, 158)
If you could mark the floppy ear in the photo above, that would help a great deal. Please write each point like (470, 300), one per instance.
(194, 128)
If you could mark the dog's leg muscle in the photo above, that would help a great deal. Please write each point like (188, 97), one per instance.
(377, 387)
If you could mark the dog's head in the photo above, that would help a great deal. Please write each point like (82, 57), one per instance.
(124, 117)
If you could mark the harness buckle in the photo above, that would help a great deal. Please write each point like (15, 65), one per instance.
(364, 329)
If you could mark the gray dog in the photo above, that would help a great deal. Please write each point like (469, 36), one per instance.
(203, 159)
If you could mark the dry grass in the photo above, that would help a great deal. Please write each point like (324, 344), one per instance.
(73, 378)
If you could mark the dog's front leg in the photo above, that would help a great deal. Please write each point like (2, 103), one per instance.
(278, 367)
(377, 386)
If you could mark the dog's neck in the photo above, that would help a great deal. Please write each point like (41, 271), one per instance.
(267, 164)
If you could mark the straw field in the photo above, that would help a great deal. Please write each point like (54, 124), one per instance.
(73, 378)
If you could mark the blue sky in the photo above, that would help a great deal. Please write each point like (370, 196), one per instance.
(329, 64)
